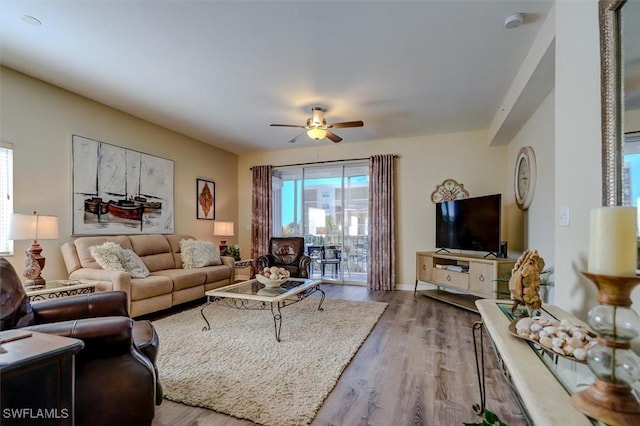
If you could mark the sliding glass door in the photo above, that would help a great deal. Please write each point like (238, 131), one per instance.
(328, 205)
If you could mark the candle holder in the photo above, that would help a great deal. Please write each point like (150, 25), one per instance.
(610, 399)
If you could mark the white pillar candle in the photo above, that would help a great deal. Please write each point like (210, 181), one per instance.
(613, 249)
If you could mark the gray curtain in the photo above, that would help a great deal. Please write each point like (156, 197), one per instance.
(382, 259)
(261, 211)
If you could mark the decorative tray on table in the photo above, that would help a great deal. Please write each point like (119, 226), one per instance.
(560, 338)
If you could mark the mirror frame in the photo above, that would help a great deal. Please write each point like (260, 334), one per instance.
(612, 100)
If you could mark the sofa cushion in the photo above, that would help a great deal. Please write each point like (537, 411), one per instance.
(154, 250)
(83, 243)
(107, 255)
(183, 278)
(133, 264)
(217, 273)
(196, 254)
(153, 285)
(174, 242)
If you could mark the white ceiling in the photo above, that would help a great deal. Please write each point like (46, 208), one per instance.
(222, 71)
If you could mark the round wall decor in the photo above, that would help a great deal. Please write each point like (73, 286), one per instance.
(449, 190)
(525, 177)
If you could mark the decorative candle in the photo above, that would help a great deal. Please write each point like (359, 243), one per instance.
(613, 248)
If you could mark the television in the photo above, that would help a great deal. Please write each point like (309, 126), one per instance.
(469, 224)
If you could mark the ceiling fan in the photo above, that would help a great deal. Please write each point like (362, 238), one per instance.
(317, 127)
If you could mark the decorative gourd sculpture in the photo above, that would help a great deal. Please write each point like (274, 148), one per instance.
(524, 283)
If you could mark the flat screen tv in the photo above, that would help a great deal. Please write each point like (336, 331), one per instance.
(469, 224)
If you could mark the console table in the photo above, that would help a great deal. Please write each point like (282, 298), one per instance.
(542, 382)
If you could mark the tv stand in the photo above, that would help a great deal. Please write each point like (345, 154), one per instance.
(464, 278)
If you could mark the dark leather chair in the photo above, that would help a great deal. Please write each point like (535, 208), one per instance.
(287, 253)
(116, 378)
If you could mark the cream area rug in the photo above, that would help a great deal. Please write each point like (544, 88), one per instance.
(238, 368)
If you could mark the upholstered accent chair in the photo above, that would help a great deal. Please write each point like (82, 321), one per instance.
(287, 253)
(116, 378)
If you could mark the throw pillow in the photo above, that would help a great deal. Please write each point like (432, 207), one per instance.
(196, 254)
(108, 256)
(133, 264)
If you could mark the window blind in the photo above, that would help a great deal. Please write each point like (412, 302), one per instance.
(6, 196)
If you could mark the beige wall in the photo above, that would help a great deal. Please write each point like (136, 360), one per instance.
(39, 119)
(538, 221)
(578, 143)
(423, 163)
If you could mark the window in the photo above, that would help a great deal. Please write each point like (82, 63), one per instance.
(6, 196)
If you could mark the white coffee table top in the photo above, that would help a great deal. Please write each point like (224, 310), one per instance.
(253, 290)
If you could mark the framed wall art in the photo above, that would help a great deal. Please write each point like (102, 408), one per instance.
(205, 199)
(119, 191)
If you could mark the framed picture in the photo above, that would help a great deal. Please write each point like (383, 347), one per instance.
(120, 191)
(205, 199)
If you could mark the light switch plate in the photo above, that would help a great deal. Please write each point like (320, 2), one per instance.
(565, 215)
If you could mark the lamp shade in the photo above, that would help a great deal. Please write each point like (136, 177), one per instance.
(33, 227)
(223, 229)
(316, 133)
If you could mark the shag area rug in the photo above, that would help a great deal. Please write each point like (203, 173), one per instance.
(238, 368)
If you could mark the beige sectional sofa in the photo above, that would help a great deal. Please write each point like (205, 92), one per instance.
(168, 283)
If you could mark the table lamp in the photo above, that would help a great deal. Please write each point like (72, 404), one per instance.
(33, 227)
(223, 229)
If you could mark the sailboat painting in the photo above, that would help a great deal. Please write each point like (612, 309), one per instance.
(119, 191)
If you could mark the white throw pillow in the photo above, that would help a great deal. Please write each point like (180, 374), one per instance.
(196, 254)
(108, 256)
(133, 264)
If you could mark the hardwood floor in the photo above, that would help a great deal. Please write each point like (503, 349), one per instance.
(417, 367)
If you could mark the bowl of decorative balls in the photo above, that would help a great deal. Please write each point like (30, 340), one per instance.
(272, 277)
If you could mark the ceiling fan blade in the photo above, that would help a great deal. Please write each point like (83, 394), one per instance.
(294, 139)
(335, 138)
(288, 125)
(358, 123)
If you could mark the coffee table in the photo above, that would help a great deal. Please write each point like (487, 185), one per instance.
(251, 295)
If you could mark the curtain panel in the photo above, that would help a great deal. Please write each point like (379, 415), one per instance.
(261, 211)
(381, 262)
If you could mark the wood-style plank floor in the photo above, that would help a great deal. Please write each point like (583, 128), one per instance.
(417, 367)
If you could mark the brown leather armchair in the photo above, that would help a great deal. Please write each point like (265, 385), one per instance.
(287, 253)
(116, 377)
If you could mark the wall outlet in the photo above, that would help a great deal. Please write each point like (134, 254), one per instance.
(565, 215)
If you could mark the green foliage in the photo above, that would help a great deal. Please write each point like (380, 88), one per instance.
(232, 251)
(489, 418)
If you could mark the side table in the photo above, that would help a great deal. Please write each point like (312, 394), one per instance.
(244, 264)
(59, 288)
(541, 382)
(37, 378)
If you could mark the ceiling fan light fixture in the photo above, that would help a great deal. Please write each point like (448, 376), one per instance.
(316, 133)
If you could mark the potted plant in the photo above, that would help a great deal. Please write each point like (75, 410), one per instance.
(489, 418)
(233, 251)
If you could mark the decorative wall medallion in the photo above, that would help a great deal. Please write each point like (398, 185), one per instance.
(449, 190)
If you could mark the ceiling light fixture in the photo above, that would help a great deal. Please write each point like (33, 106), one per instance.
(514, 21)
(316, 133)
(31, 20)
